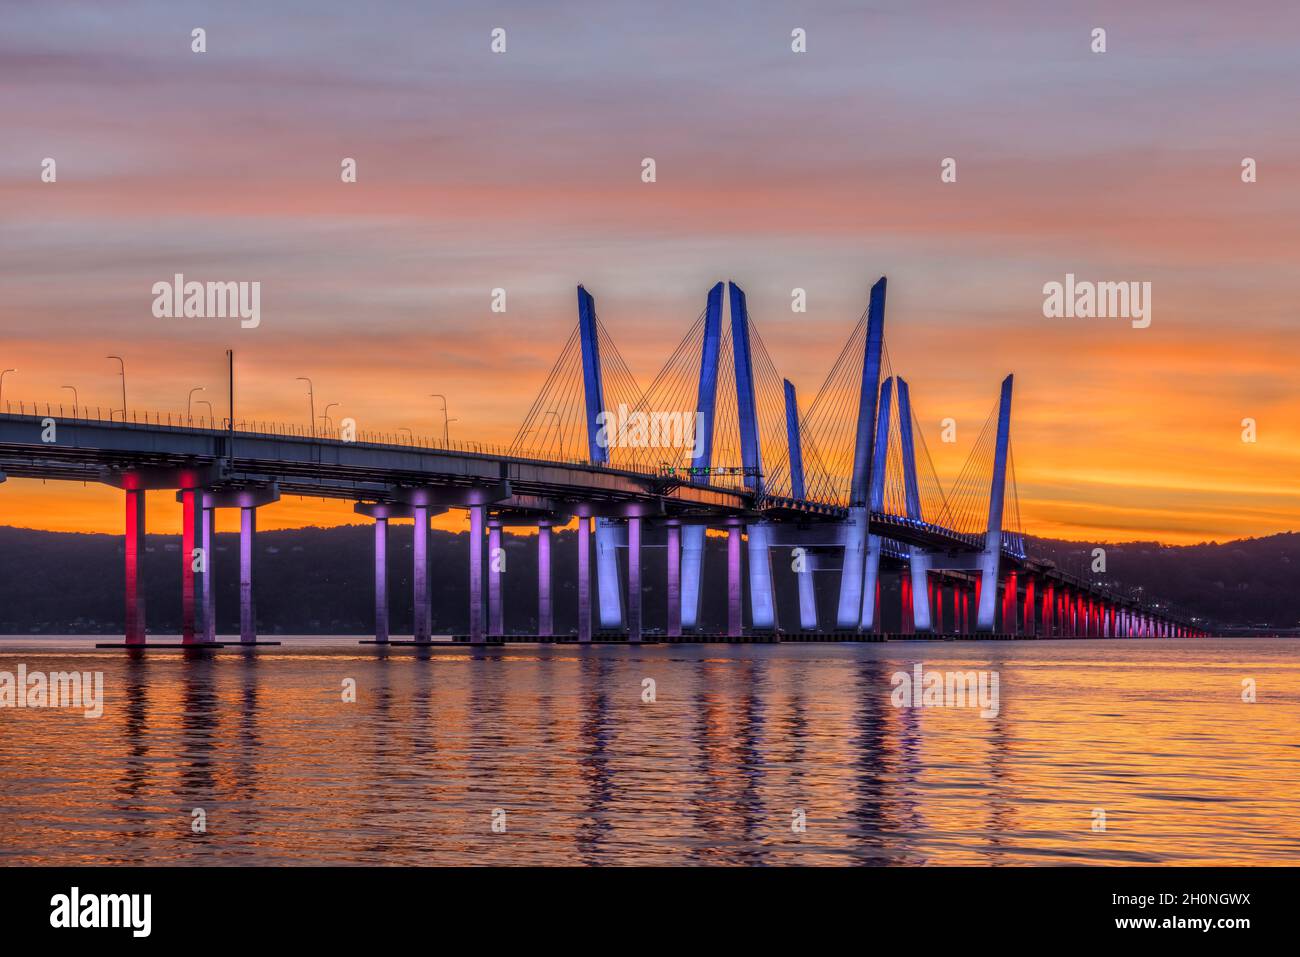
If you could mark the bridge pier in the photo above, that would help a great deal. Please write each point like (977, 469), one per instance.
(193, 559)
(919, 568)
(634, 578)
(209, 569)
(807, 596)
(693, 537)
(247, 500)
(674, 585)
(1010, 593)
(735, 620)
(906, 607)
(381, 579)
(422, 620)
(545, 616)
(381, 512)
(1031, 629)
(762, 597)
(135, 550)
(476, 519)
(247, 610)
(584, 578)
(496, 620)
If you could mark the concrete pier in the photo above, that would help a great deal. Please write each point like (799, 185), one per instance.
(496, 562)
(135, 539)
(634, 579)
(477, 517)
(382, 512)
(584, 578)
(735, 621)
(422, 622)
(192, 559)
(674, 584)
(545, 611)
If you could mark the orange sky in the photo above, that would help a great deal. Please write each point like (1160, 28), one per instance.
(779, 171)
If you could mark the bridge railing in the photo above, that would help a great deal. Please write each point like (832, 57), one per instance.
(267, 428)
(260, 427)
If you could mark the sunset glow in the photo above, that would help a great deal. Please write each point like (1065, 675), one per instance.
(522, 172)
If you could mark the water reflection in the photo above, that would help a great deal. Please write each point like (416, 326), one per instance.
(715, 771)
(595, 736)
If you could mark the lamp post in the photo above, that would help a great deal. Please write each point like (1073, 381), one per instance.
(209, 405)
(189, 403)
(311, 403)
(325, 417)
(122, 369)
(74, 399)
(4, 373)
(439, 395)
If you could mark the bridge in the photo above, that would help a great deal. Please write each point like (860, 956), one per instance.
(845, 489)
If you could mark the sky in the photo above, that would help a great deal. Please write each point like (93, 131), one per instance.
(818, 170)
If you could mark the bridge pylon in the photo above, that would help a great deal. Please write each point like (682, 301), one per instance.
(762, 599)
(919, 559)
(879, 459)
(609, 533)
(991, 556)
(692, 554)
(856, 526)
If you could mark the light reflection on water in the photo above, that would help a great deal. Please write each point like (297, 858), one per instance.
(740, 737)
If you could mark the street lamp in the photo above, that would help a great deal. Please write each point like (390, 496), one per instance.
(74, 399)
(311, 403)
(122, 368)
(329, 426)
(2, 380)
(438, 395)
(189, 403)
(209, 405)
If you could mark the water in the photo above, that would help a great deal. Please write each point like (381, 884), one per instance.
(1154, 733)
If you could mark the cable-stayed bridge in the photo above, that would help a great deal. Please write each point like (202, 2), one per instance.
(843, 494)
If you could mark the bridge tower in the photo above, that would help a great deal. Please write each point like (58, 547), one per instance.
(849, 615)
(608, 532)
(990, 557)
(919, 559)
(879, 458)
(692, 555)
(762, 603)
(794, 448)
